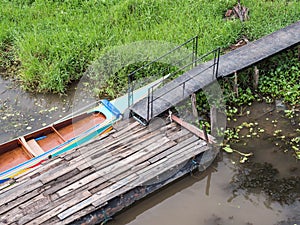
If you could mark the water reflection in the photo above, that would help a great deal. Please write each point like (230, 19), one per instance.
(188, 202)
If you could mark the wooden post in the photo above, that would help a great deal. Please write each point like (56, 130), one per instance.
(255, 78)
(236, 89)
(213, 120)
(194, 105)
(208, 184)
(205, 133)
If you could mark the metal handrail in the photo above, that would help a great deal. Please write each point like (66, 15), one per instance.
(215, 66)
(194, 40)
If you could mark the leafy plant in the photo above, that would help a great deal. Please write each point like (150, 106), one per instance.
(55, 41)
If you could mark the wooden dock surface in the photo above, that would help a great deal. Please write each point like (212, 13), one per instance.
(182, 87)
(96, 177)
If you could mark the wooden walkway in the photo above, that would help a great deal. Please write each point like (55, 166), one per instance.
(99, 179)
(200, 77)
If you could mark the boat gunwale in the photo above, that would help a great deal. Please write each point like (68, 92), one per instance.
(109, 119)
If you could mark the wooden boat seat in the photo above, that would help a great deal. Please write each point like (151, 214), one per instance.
(35, 148)
(32, 146)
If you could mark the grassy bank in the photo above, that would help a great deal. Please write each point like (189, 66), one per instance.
(52, 42)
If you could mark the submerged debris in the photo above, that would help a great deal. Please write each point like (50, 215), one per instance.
(264, 177)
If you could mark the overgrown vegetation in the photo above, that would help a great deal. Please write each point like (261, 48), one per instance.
(278, 81)
(54, 41)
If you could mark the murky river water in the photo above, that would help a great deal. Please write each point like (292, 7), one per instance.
(211, 200)
(22, 112)
(264, 190)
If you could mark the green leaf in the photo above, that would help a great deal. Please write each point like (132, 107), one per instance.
(228, 149)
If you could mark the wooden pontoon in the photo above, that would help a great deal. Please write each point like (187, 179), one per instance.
(92, 183)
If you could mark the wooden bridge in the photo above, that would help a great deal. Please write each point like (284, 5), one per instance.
(93, 182)
(202, 75)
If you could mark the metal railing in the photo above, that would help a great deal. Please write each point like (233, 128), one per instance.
(177, 63)
(215, 64)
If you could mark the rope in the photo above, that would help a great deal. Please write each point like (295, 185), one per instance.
(106, 218)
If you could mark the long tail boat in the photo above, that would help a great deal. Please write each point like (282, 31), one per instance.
(26, 152)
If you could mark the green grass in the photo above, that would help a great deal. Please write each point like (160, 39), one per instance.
(55, 41)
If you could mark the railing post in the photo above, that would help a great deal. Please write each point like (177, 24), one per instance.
(218, 60)
(216, 63)
(148, 104)
(151, 104)
(214, 67)
(130, 91)
(196, 50)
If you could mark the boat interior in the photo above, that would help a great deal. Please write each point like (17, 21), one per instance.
(31, 145)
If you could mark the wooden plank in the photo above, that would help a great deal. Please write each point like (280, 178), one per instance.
(106, 146)
(75, 208)
(134, 167)
(58, 134)
(60, 185)
(173, 149)
(59, 171)
(34, 205)
(83, 212)
(122, 124)
(127, 128)
(116, 176)
(128, 139)
(145, 146)
(98, 162)
(77, 184)
(173, 155)
(12, 216)
(32, 201)
(113, 193)
(158, 169)
(114, 190)
(16, 202)
(39, 170)
(54, 203)
(137, 158)
(26, 146)
(6, 188)
(94, 197)
(179, 134)
(193, 129)
(77, 199)
(32, 173)
(19, 191)
(109, 175)
(116, 157)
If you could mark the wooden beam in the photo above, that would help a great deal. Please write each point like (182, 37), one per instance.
(199, 133)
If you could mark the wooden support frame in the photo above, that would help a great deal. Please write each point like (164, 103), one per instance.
(199, 133)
